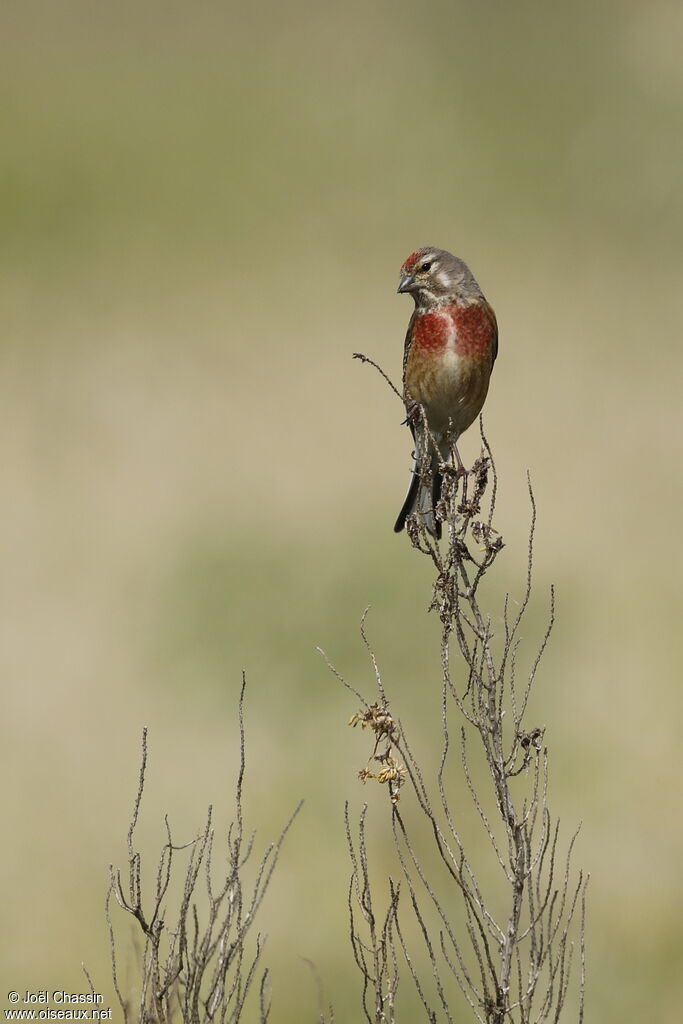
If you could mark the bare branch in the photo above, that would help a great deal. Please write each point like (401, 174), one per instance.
(507, 950)
(191, 970)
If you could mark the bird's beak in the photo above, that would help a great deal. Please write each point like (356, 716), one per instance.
(406, 283)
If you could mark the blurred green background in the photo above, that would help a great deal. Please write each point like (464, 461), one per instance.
(204, 208)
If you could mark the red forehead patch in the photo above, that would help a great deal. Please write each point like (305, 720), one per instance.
(413, 258)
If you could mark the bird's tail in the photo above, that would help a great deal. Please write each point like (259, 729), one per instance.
(422, 498)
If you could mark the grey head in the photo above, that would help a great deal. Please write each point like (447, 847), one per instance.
(434, 275)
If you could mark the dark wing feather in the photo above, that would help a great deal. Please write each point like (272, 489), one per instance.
(406, 349)
(491, 317)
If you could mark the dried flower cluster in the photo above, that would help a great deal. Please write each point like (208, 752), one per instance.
(376, 717)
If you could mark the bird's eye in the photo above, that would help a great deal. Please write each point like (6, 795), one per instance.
(426, 266)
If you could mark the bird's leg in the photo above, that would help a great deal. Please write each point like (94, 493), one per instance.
(455, 465)
(459, 467)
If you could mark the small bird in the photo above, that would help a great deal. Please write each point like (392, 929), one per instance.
(450, 349)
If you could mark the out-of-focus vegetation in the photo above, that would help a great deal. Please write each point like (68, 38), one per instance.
(204, 208)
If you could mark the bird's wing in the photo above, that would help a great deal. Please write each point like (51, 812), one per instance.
(406, 348)
(491, 317)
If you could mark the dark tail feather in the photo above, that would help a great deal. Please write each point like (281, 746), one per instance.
(409, 504)
(423, 500)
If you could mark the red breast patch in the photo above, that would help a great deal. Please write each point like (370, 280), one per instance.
(472, 329)
(432, 330)
(475, 329)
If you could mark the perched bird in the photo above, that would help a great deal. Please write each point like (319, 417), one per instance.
(450, 348)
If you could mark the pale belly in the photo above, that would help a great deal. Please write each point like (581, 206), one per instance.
(451, 388)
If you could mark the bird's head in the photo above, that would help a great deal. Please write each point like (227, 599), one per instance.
(431, 275)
